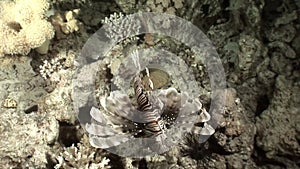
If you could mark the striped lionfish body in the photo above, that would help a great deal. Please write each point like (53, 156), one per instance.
(141, 94)
(154, 125)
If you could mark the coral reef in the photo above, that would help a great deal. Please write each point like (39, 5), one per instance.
(80, 156)
(258, 42)
(23, 26)
(34, 133)
(284, 106)
(26, 134)
(59, 71)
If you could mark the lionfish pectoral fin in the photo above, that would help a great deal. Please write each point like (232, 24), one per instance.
(164, 95)
(98, 116)
(206, 130)
(204, 116)
(99, 130)
(108, 142)
(131, 113)
(157, 103)
(191, 108)
(103, 103)
(123, 108)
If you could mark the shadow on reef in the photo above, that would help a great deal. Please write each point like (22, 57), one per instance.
(201, 151)
(68, 134)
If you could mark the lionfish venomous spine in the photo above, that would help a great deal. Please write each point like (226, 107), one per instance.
(154, 126)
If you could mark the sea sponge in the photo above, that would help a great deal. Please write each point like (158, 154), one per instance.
(23, 26)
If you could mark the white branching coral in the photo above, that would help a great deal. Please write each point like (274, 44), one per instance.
(49, 69)
(113, 17)
(120, 27)
(23, 26)
(76, 157)
(55, 68)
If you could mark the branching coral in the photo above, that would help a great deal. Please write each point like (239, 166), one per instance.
(50, 69)
(55, 68)
(78, 156)
(23, 26)
(120, 27)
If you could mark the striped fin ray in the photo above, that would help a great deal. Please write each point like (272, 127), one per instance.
(104, 122)
(108, 142)
(179, 103)
(190, 108)
(204, 116)
(100, 130)
(111, 120)
(107, 131)
(119, 104)
(98, 116)
(206, 130)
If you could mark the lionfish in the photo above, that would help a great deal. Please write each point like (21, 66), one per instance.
(123, 120)
(148, 115)
(155, 124)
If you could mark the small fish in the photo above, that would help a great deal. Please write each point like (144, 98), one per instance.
(9, 103)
